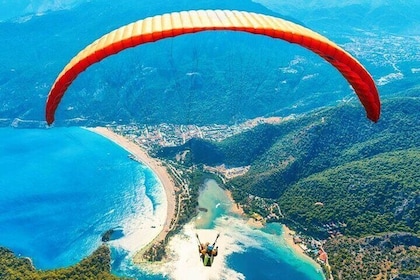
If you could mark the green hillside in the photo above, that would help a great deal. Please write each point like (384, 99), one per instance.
(281, 155)
(358, 169)
(387, 256)
(330, 138)
(96, 266)
(336, 177)
(369, 196)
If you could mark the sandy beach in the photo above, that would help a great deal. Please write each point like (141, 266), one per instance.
(161, 173)
(288, 237)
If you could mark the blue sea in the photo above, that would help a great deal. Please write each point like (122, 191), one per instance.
(62, 188)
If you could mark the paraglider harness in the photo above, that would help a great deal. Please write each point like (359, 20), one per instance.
(207, 251)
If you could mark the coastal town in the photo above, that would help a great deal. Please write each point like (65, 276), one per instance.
(169, 135)
(150, 137)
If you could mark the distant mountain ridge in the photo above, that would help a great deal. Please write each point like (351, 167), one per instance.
(392, 16)
(201, 79)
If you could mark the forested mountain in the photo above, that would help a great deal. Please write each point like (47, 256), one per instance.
(328, 143)
(205, 78)
(334, 174)
(368, 196)
(331, 138)
(281, 155)
(388, 256)
(366, 175)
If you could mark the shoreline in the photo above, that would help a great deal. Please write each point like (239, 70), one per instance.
(288, 238)
(159, 170)
(287, 233)
(169, 187)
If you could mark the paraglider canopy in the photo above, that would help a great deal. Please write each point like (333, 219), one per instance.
(174, 24)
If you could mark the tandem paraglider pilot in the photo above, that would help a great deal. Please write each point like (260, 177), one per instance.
(207, 251)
